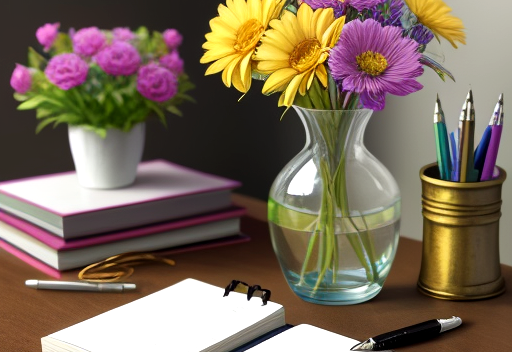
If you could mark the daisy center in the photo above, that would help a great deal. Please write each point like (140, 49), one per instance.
(248, 35)
(305, 54)
(372, 63)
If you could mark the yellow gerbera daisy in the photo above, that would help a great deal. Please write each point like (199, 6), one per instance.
(234, 36)
(294, 50)
(435, 15)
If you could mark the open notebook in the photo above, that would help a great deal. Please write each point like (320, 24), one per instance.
(193, 316)
(188, 316)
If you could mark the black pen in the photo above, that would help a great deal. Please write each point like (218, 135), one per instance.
(408, 335)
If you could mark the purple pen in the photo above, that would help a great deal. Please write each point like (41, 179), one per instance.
(494, 143)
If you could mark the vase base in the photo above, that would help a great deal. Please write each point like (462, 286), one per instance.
(342, 293)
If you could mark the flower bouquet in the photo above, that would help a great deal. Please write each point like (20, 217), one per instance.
(334, 62)
(102, 79)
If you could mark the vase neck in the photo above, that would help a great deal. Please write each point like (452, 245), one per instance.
(334, 135)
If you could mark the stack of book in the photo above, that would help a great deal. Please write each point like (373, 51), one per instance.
(54, 224)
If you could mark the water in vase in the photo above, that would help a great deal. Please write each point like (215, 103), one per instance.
(360, 260)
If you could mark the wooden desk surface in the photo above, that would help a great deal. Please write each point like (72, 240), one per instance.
(26, 315)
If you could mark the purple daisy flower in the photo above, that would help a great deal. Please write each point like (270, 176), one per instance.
(156, 83)
(372, 61)
(339, 7)
(172, 38)
(88, 41)
(47, 34)
(67, 70)
(21, 79)
(360, 5)
(123, 34)
(387, 13)
(119, 59)
(421, 34)
(172, 62)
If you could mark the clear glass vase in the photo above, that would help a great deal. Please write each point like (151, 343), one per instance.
(334, 212)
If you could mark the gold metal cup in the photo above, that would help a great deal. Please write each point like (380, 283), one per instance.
(460, 259)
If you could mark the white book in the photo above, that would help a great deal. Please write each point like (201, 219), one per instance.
(162, 191)
(189, 316)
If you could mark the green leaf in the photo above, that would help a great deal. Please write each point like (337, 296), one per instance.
(118, 98)
(42, 113)
(142, 32)
(437, 67)
(174, 110)
(333, 93)
(158, 46)
(36, 60)
(62, 44)
(68, 118)
(32, 103)
(20, 97)
(109, 107)
(44, 123)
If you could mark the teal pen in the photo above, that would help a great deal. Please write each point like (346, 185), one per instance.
(442, 144)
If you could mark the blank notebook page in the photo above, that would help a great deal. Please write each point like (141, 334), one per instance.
(188, 316)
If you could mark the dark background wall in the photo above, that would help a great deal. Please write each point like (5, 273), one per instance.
(245, 140)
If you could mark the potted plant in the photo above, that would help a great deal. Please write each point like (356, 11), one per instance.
(103, 84)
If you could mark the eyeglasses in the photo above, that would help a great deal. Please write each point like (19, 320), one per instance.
(252, 291)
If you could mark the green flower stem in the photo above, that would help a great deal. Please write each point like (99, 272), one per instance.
(334, 202)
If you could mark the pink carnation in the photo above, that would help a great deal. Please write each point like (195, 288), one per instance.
(66, 70)
(119, 59)
(172, 62)
(47, 34)
(172, 38)
(21, 79)
(156, 83)
(123, 34)
(88, 41)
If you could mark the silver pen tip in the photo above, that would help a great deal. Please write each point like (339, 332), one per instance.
(31, 283)
(498, 111)
(438, 111)
(448, 324)
(364, 346)
(129, 286)
(468, 109)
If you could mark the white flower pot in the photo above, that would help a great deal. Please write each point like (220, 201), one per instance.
(109, 162)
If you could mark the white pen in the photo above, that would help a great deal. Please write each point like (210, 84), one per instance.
(80, 286)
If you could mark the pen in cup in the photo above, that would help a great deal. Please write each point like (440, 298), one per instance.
(467, 173)
(442, 144)
(80, 286)
(454, 154)
(481, 149)
(494, 142)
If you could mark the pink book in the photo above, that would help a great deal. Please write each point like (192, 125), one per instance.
(62, 254)
(162, 191)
